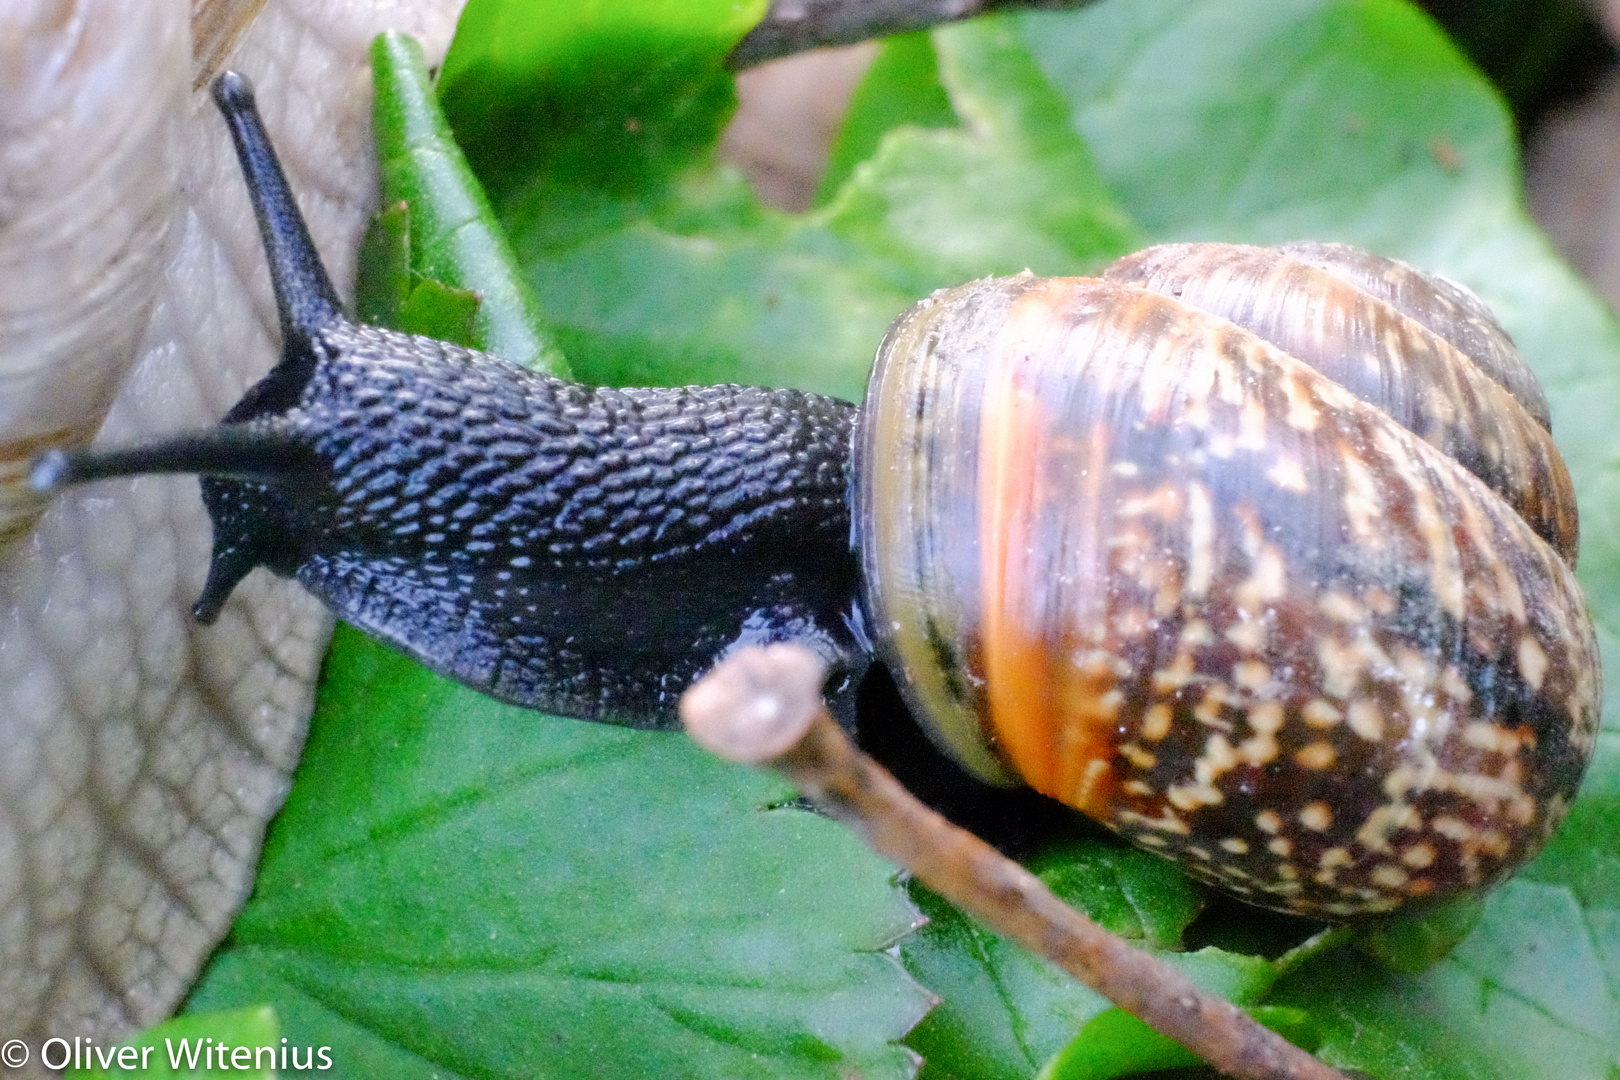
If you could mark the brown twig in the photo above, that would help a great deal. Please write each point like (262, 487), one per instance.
(795, 26)
(763, 707)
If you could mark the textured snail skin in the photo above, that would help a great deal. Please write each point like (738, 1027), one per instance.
(1135, 556)
(584, 551)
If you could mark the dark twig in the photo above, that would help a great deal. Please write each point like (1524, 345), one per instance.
(795, 26)
(763, 707)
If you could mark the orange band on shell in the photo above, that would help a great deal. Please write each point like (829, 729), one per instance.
(1051, 711)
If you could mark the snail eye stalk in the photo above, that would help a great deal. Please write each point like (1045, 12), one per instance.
(304, 294)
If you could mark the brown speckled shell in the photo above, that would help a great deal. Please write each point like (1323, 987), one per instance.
(1119, 544)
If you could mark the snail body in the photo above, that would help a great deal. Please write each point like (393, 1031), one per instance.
(1319, 643)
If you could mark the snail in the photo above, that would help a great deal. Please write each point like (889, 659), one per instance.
(1125, 540)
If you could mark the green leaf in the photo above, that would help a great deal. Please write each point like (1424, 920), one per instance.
(1014, 189)
(455, 243)
(1004, 1011)
(383, 283)
(643, 305)
(1523, 997)
(441, 311)
(1413, 943)
(457, 886)
(1115, 1043)
(1136, 895)
(588, 111)
(201, 1045)
(804, 301)
(1308, 117)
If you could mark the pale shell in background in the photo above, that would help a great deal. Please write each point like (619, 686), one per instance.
(788, 114)
(89, 141)
(140, 754)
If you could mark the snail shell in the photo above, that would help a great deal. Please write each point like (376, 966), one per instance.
(1135, 554)
(89, 148)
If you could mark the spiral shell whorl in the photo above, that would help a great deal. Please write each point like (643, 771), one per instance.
(1407, 360)
(1452, 311)
(1214, 600)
